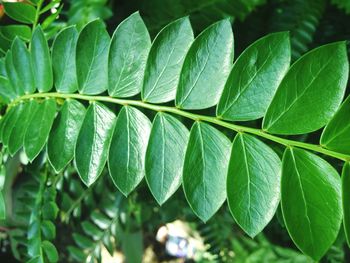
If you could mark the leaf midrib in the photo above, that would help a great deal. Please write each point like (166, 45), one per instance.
(186, 114)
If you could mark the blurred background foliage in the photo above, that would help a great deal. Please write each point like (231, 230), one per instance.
(99, 224)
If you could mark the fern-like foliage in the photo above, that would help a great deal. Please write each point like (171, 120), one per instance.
(203, 13)
(97, 77)
(342, 4)
(301, 18)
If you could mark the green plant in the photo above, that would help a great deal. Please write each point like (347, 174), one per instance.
(96, 76)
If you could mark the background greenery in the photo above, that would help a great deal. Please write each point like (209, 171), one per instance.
(135, 220)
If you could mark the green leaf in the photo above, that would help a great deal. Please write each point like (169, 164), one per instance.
(100, 220)
(17, 135)
(63, 60)
(6, 92)
(50, 211)
(64, 134)
(76, 253)
(92, 58)
(206, 67)
(50, 251)
(126, 161)
(48, 230)
(10, 122)
(205, 169)
(165, 156)
(310, 93)
(127, 57)
(11, 73)
(41, 61)
(11, 31)
(39, 128)
(253, 183)
(20, 12)
(4, 120)
(23, 66)
(2, 207)
(82, 241)
(93, 142)
(311, 201)
(254, 78)
(336, 135)
(165, 61)
(91, 229)
(346, 200)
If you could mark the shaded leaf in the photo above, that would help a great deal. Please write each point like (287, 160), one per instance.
(64, 134)
(39, 128)
(20, 12)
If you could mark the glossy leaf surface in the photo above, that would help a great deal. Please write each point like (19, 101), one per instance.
(336, 135)
(11, 73)
(128, 53)
(165, 156)
(253, 183)
(63, 60)
(165, 60)
(92, 58)
(64, 134)
(91, 150)
(310, 93)
(39, 128)
(205, 169)
(311, 201)
(126, 160)
(254, 78)
(20, 12)
(206, 67)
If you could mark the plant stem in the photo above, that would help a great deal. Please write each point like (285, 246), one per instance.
(193, 116)
(37, 14)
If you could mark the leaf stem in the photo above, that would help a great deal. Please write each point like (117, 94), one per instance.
(190, 115)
